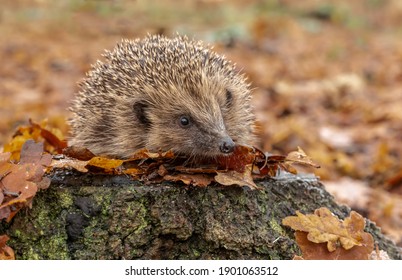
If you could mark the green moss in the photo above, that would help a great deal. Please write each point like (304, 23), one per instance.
(55, 247)
(274, 225)
(196, 253)
(65, 199)
(43, 220)
(103, 199)
(29, 254)
(49, 238)
(17, 233)
(141, 220)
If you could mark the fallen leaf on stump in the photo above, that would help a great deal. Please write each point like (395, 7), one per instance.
(107, 164)
(300, 157)
(61, 163)
(319, 251)
(324, 227)
(239, 159)
(79, 153)
(233, 177)
(199, 180)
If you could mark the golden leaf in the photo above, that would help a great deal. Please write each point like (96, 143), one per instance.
(323, 226)
(300, 157)
(105, 163)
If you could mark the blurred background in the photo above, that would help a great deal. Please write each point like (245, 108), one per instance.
(327, 76)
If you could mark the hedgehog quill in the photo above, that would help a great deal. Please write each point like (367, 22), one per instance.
(162, 94)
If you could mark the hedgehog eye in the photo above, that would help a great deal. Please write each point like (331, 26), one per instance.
(184, 122)
(229, 98)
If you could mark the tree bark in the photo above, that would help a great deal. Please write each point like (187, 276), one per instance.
(84, 216)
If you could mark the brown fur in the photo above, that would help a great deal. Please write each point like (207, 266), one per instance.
(136, 97)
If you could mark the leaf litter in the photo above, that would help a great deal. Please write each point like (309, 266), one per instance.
(24, 163)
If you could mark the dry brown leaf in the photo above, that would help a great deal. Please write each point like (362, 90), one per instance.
(162, 171)
(300, 157)
(4, 164)
(79, 165)
(323, 226)
(319, 251)
(20, 182)
(15, 145)
(79, 153)
(238, 160)
(199, 180)
(134, 172)
(145, 154)
(274, 163)
(6, 252)
(235, 178)
(50, 137)
(192, 170)
(5, 213)
(37, 132)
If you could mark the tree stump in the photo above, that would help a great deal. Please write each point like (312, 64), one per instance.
(89, 216)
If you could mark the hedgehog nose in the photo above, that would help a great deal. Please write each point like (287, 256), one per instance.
(227, 145)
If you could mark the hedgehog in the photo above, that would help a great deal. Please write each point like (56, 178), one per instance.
(162, 94)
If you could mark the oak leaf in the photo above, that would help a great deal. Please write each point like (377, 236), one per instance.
(300, 157)
(323, 226)
(319, 251)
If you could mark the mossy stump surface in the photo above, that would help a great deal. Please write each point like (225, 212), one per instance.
(113, 217)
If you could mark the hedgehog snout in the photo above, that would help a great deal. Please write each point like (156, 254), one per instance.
(227, 145)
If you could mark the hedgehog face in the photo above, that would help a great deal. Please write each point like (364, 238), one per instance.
(200, 133)
(203, 121)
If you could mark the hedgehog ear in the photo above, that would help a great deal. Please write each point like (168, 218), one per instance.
(140, 110)
(229, 98)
